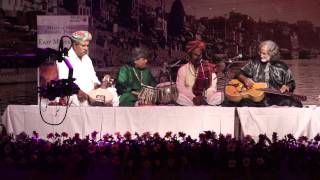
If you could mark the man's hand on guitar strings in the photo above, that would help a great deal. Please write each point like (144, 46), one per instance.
(284, 89)
(248, 82)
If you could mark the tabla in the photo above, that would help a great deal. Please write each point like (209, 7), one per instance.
(167, 92)
(104, 95)
(148, 95)
(100, 97)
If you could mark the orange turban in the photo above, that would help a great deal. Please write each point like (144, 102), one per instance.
(191, 45)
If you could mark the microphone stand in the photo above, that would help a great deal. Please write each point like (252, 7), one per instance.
(62, 54)
(61, 87)
(226, 73)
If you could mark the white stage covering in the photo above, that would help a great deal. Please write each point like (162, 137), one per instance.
(283, 120)
(85, 120)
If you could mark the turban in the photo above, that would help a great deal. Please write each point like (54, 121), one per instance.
(191, 45)
(81, 36)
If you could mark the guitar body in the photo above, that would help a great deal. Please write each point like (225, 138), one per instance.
(236, 91)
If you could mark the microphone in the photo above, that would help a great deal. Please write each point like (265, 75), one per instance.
(166, 65)
(239, 56)
(230, 61)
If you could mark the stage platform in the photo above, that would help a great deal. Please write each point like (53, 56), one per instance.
(282, 120)
(162, 119)
(85, 120)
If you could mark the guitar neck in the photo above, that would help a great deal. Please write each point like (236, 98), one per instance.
(277, 92)
(273, 91)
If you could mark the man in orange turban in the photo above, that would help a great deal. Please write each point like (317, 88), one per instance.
(197, 80)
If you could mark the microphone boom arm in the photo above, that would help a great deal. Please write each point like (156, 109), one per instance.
(70, 68)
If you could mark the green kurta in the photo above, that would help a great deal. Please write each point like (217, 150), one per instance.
(127, 82)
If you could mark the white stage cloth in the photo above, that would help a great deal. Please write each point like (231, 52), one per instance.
(283, 120)
(85, 120)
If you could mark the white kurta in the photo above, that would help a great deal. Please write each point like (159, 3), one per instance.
(185, 97)
(83, 72)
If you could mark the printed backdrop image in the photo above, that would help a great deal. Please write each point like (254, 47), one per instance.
(164, 26)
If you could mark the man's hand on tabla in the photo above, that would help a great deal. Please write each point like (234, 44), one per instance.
(136, 93)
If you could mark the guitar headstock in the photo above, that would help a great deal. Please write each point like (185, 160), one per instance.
(300, 97)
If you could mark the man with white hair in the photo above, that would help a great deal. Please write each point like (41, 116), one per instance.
(270, 70)
(83, 70)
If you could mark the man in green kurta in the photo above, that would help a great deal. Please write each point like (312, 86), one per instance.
(132, 75)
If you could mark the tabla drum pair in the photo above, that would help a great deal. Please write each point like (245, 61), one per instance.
(163, 94)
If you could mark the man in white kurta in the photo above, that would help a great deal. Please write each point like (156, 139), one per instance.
(83, 70)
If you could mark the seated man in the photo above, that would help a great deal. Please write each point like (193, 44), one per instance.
(132, 76)
(83, 70)
(197, 80)
(270, 70)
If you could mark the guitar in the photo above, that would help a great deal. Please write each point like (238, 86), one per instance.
(236, 91)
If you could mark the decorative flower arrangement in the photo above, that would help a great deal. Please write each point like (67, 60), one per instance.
(152, 156)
